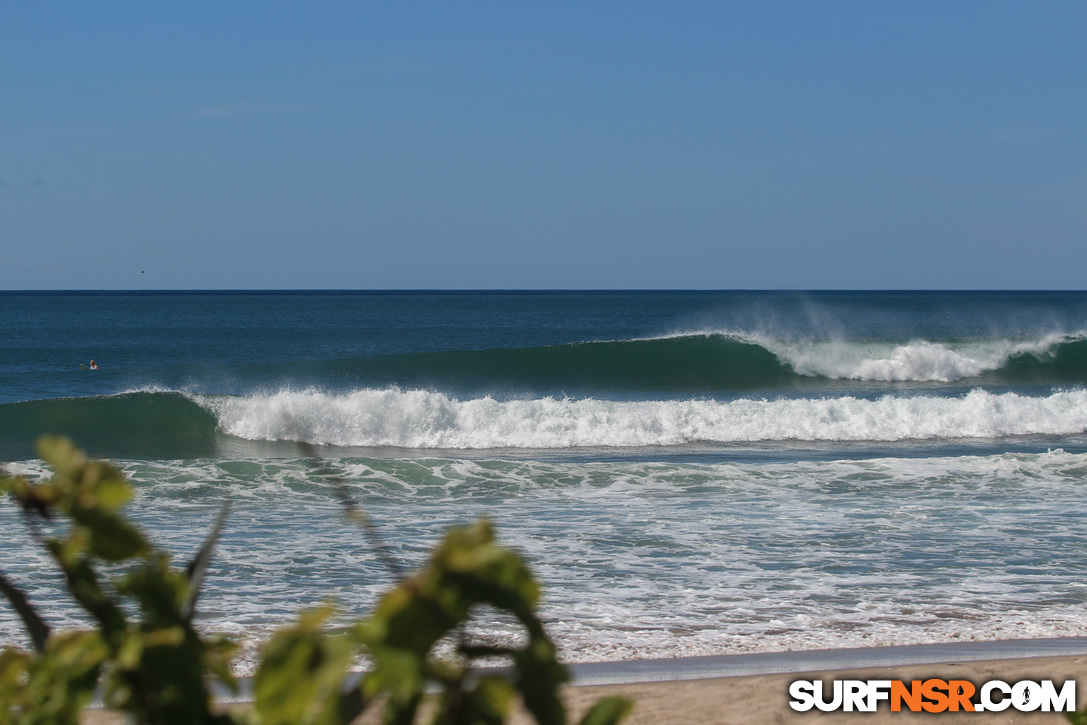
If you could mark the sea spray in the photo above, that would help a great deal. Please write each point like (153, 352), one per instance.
(427, 419)
(920, 360)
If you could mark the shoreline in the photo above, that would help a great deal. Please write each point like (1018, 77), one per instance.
(750, 689)
(773, 663)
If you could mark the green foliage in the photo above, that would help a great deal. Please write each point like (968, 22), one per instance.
(54, 685)
(156, 667)
(607, 711)
(302, 673)
(153, 668)
(466, 570)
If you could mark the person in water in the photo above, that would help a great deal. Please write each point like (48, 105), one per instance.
(94, 365)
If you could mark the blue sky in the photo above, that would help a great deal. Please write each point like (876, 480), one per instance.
(912, 145)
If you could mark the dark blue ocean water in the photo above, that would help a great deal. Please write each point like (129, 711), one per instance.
(189, 368)
(691, 472)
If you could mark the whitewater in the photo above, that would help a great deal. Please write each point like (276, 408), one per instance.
(916, 360)
(644, 559)
(426, 419)
(686, 472)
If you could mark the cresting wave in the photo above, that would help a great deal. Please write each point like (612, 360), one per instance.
(151, 424)
(1056, 357)
(425, 419)
(713, 362)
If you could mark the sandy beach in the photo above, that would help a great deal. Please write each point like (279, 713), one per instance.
(669, 692)
(765, 699)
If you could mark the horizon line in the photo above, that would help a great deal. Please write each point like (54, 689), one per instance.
(513, 290)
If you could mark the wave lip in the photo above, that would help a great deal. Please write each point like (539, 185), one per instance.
(425, 419)
(1056, 355)
(709, 362)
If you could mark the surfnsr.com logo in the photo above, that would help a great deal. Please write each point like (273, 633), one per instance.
(933, 695)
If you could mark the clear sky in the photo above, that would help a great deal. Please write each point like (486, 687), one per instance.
(515, 145)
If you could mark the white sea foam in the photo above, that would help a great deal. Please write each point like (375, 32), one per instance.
(916, 360)
(426, 419)
(638, 558)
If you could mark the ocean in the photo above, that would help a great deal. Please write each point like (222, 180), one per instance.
(688, 473)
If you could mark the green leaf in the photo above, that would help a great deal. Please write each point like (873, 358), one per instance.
(489, 702)
(13, 669)
(539, 678)
(302, 672)
(82, 582)
(112, 493)
(608, 711)
(160, 590)
(198, 566)
(218, 653)
(112, 538)
(55, 685)
(401, 711)
(62, 455)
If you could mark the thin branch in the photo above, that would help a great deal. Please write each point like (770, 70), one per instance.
(356, 512)
(35, 625)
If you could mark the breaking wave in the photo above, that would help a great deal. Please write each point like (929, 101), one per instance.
(176, 425)
(426, 419)
(710, 363)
